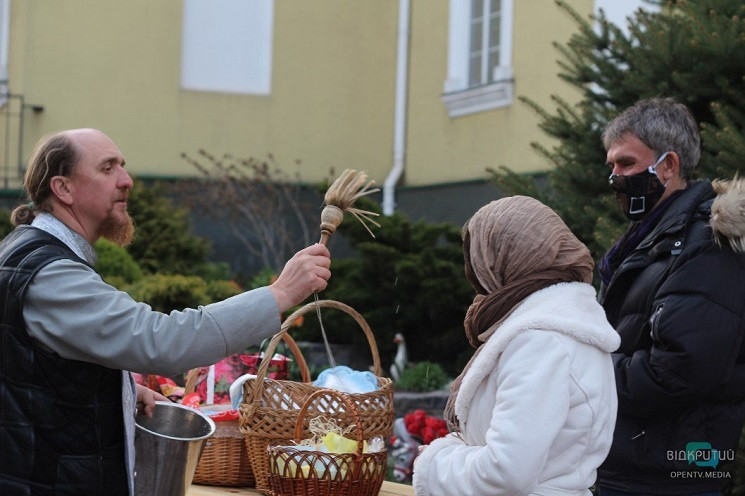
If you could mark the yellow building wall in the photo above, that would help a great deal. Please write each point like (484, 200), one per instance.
(445, 149)
(116, 66)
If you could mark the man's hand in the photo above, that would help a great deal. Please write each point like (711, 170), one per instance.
(304, 274)
(148, 397)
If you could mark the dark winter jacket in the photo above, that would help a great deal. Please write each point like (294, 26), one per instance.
(61, 427)
(678, 302)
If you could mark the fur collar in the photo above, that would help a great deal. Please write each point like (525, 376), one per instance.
(568, 308)
(728, 214)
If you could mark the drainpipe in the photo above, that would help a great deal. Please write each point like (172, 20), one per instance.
(399, 125)
(4, 37)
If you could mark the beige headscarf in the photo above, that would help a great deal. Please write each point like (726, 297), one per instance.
(512, 248)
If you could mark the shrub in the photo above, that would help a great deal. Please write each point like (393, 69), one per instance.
(423, 377)
(213, 271)
(5, 225)
(170, 292)
(262, 278)
(163, 240)
(219, 290)
(115, 265)
(408, 279)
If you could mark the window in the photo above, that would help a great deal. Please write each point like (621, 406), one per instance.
(479, 56)
(227, 46)
(483, 50)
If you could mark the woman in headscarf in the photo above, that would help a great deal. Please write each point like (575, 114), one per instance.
(533, 411)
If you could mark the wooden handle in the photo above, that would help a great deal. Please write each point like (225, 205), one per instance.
(331, 217)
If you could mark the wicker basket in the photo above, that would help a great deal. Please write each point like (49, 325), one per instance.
(225, 460)
(270, 408)
(316, 473)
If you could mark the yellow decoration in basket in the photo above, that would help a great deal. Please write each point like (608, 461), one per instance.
(297, 465)
(293, 462)
(339, 444)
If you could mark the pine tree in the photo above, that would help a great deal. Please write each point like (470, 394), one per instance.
(409, 279)
(163, 241)
(724, 139)
(693, 51)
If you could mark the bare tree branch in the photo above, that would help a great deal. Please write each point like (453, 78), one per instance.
(258, 202)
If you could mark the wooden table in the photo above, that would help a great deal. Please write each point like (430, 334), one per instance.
(388, 489)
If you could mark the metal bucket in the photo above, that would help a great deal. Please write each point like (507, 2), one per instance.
(167, 448)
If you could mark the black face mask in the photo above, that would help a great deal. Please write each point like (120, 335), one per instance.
(638, 193)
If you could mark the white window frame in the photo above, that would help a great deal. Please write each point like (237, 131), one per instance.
(460, 98)
(227, 46)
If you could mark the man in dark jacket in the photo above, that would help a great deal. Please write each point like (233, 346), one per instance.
(672, 287)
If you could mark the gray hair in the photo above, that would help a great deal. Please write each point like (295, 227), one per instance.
(663, 125)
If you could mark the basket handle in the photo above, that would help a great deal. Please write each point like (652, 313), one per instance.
(191, 381)
(193, 374)
(283, 331)
(349, 404)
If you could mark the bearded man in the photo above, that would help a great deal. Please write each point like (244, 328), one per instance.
(68, 339)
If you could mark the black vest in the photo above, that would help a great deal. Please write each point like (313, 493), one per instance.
(61, 425)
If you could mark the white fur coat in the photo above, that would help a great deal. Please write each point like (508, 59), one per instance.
(537, 407)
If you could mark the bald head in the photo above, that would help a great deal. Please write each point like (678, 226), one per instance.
(92, 144)
(84, 133)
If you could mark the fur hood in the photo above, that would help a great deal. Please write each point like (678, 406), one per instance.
(568, 308)
(728, 214)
